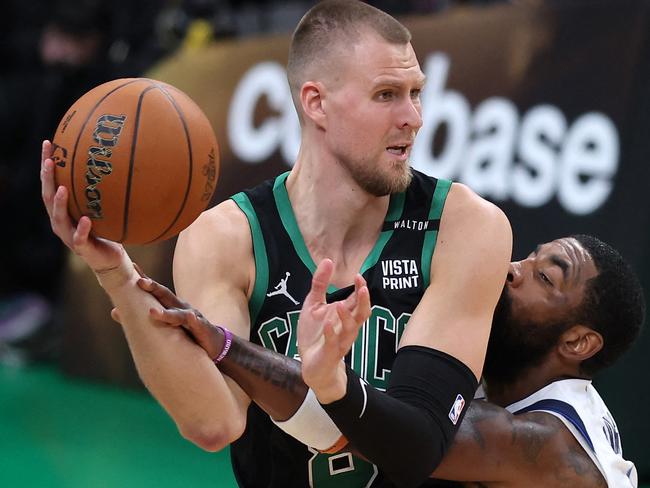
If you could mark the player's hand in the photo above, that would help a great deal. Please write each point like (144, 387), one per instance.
(101, 255)
(326, 333)
(175, 312)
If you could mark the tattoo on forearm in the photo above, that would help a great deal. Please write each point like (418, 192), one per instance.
(280, 371)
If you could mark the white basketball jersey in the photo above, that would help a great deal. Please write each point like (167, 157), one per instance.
(579, 406)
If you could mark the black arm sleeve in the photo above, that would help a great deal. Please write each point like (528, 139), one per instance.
(407, 431)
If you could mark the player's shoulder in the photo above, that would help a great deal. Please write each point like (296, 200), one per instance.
(465, 203)
(216, 249)
(220, 230)
(224, 221)
(468, 216)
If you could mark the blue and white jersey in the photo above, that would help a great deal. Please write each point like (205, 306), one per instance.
(579, 406)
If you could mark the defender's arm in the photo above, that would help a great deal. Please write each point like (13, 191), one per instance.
(493, 445)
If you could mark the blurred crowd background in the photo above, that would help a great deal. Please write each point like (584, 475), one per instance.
(551, 59)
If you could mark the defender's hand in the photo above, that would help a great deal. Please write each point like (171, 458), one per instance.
(175, 312)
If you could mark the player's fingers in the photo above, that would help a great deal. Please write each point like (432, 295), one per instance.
(60, 220)
(198, 325)
(46, 150)
(319, 283)
(193, 321)
(351, 302)
(173, 317)
(330, 336)
(81, 234)
(349, 328)
(361, 311)
(47, 179)
(163, 294)
(359, 281)
(115, 315)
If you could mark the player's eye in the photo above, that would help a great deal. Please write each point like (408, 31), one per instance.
(415, 94)
(385, 95)
(545, 278)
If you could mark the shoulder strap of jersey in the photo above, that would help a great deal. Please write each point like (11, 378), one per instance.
(431, 236)
(259, 250)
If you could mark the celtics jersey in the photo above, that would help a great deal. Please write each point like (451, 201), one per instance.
(397, 272)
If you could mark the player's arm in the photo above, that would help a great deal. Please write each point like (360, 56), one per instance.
(468, 272)
(270, 379)
(173, 367)
(214, 271)
(208, 409)
(441, 353)
(494, 446)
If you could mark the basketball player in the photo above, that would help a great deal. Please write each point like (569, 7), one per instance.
(426, 247)
(570, 309)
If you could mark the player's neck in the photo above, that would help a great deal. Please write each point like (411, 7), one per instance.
(336, 217)
(525, 384)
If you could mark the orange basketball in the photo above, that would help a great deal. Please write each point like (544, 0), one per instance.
(138, 157)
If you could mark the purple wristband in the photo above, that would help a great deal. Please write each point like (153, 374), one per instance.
(226, 345)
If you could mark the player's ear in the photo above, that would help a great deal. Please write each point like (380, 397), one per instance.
(311, 99)
(580, 343)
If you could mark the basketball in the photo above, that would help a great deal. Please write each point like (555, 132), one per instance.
(138, 157)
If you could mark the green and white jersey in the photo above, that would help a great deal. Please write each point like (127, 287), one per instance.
(397, 271)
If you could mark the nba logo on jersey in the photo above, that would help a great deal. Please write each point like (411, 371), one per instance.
(456, 409)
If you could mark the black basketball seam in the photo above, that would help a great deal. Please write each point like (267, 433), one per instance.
(189, 146)
(127, 196)
(81, 130)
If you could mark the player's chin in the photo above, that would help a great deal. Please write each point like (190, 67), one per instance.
(400, 166)
(400, 175)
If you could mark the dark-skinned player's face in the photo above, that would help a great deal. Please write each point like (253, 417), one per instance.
(537, 305)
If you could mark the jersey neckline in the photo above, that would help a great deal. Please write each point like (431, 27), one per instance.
(290, 224)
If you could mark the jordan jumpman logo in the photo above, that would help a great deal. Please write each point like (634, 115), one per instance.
(281, 289)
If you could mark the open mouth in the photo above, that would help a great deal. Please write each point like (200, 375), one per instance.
(399, 150)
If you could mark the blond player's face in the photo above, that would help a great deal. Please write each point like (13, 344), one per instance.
(374, 113)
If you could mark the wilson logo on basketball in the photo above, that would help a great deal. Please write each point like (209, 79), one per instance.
(106, 135)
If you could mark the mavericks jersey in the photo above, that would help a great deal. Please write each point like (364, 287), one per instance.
(397, 271)
(579, 406)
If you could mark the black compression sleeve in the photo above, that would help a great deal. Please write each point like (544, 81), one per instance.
(407, 431)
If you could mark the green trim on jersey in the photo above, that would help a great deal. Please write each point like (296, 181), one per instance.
(291, 225)
(435, 212)
(261, 259)
(395, 209)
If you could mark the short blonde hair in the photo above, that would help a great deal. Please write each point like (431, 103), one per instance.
(331, 25)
